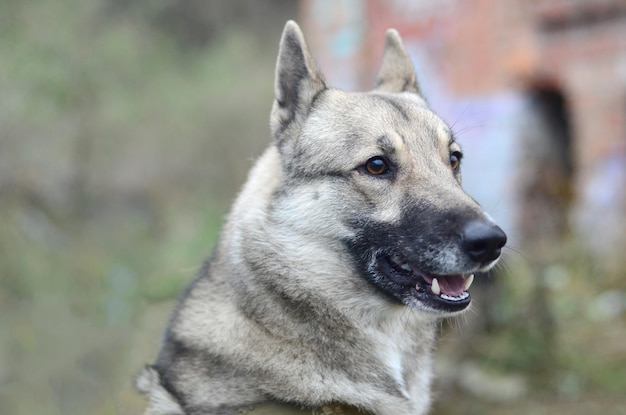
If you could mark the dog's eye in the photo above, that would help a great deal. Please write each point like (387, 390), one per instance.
(455, 160)
(376, 166)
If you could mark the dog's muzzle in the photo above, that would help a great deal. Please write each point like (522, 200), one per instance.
(480, 241)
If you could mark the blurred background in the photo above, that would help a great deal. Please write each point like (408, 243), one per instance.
(127, 127)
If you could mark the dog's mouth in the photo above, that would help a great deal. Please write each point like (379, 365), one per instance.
(444, 293)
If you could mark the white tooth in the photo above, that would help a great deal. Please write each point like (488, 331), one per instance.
(468, 281)
(405, 267)
(461, 297)
(435, 287)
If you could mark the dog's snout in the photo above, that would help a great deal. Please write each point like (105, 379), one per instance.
(483, 241)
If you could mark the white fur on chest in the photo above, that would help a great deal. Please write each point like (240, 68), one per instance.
(404, 346)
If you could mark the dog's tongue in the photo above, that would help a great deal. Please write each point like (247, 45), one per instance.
(448, 284)
(452, 285)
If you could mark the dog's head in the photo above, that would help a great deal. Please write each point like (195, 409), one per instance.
(379, 172)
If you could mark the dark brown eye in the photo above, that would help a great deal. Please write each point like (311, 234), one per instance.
(376, 166)
(455, 160)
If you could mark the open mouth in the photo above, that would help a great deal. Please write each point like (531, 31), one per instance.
(448, 293)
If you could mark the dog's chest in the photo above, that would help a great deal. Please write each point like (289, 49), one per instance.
(404, 348)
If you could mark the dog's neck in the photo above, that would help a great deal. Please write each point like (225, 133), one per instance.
(275, 408)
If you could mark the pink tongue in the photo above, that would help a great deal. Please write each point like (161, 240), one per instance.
(449, 284)
(452, 285)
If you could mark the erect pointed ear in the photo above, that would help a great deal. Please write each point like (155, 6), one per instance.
(297, 82)
(396, 73)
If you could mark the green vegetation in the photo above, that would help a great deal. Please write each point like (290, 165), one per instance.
(120, 150)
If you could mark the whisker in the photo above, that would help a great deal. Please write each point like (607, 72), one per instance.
(459, 117)
(460, 132)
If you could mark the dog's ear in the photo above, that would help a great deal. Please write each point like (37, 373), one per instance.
(297, 82)
(396, 73)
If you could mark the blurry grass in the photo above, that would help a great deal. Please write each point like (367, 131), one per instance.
(119, 154)
(109, 103)
(71, 300)
(576, 363)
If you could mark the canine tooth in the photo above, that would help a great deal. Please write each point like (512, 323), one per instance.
(435, 287)
(468, 281)
(405, 267)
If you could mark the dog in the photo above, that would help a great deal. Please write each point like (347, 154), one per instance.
(350, 240)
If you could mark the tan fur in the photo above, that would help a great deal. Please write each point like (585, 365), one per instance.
(283, 310)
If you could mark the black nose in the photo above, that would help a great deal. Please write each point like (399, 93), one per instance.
(483, 241)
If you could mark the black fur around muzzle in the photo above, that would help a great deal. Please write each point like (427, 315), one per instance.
(427, 260)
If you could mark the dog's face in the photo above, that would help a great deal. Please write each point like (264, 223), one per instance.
(382, 172)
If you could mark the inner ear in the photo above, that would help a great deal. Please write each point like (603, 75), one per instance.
(396, 73)
(297, 77)
(297, 81)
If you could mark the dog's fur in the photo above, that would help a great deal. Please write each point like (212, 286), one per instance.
(299, 302)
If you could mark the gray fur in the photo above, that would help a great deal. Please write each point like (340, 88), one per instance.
(292, 306)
